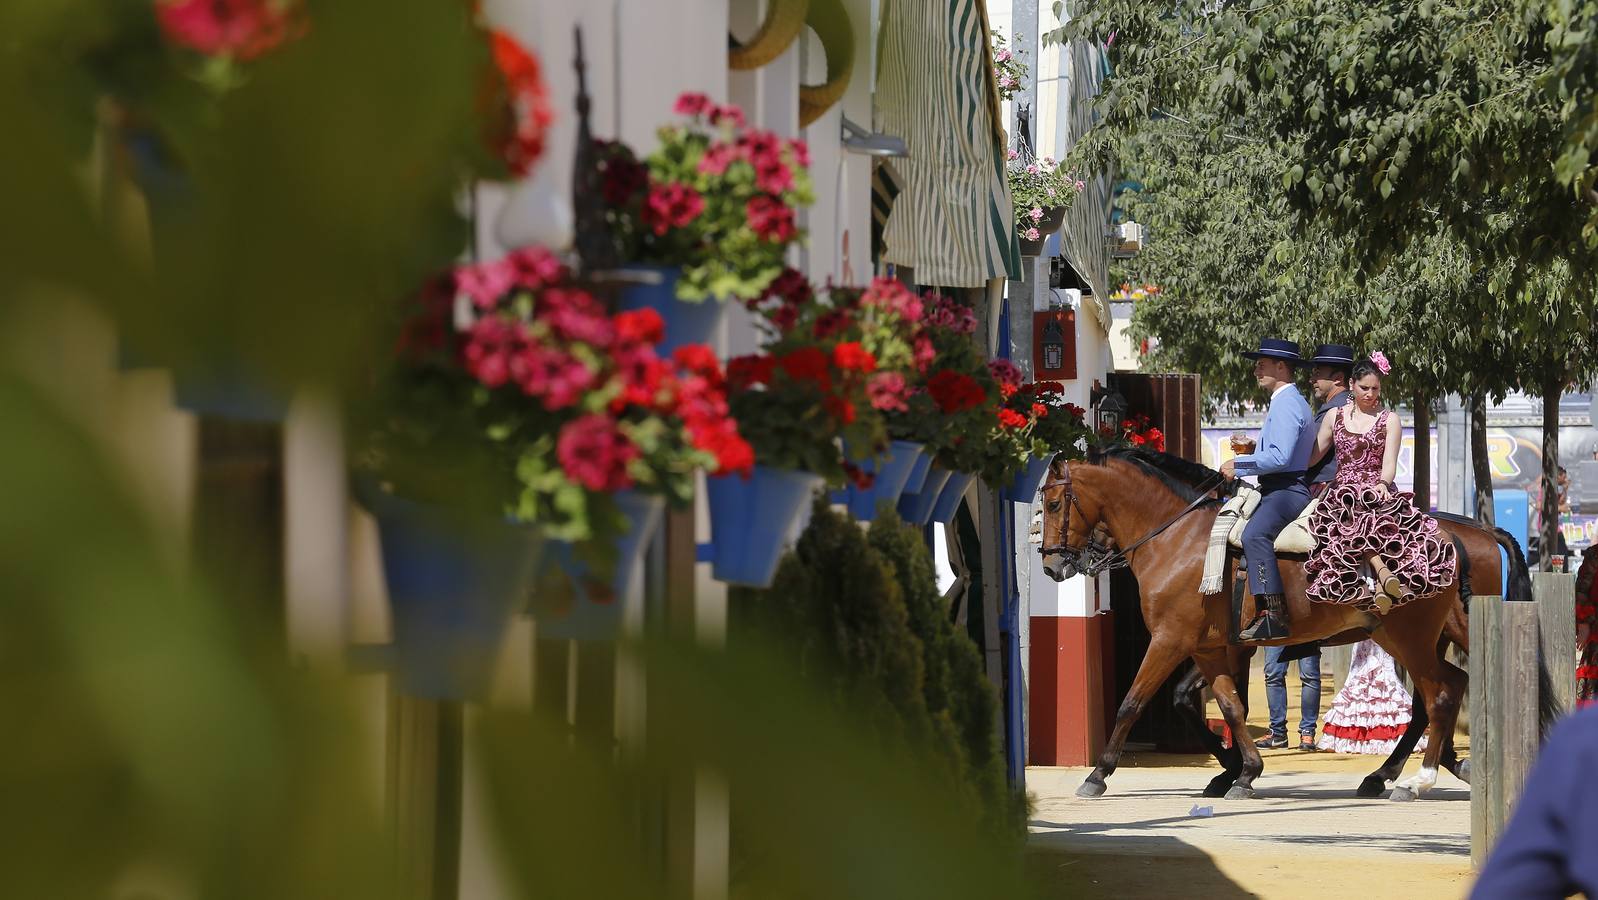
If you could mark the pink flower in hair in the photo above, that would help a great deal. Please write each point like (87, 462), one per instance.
(1379, 360)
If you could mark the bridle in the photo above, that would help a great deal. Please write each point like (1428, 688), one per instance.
(1095, 556)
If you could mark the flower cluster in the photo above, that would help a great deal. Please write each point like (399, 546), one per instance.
(1008, 68)
(1129, 292)
(717, 198)
(518, 135)
(235, 29)
(1043, 421)
(1037, 187)
(1138, 431)
(582, 396)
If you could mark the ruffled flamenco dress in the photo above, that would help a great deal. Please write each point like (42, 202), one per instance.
(1372, 710)
(1353, 523)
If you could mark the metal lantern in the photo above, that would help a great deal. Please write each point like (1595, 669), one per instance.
(1112, 412)
(1053, 346)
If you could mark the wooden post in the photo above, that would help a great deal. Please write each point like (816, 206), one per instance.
(1555, 593)
(1503, 718)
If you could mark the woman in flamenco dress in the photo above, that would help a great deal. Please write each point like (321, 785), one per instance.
(1364, 524)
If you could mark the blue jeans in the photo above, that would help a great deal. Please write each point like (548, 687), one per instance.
(1309, 677)
(1278, 506)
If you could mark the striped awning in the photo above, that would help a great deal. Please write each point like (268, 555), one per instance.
(952, 220)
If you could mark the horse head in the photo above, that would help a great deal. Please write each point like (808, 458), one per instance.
(1072, 526)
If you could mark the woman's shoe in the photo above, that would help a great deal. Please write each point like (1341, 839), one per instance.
(1392, 588)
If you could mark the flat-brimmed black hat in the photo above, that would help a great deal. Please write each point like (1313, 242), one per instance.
(1275, 348)
(1333, 355)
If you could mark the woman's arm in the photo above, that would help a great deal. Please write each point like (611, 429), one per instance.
(1323, 438)
(1395, 436)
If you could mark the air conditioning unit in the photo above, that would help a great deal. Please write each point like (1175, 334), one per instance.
(1126, 239)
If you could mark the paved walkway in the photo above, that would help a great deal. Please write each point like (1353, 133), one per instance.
(1306, 835)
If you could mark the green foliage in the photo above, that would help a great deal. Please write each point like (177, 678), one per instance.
(860, 616)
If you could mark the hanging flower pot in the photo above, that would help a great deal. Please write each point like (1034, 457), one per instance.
(1027, 481)
(916, 508)
(453, 586)
(750, 519)
(949, 500)
(917, 478)
(686, 323)
(1033, 233)
(892, 471)
(594, 611)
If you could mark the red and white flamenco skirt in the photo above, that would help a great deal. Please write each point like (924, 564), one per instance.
(1372, 710)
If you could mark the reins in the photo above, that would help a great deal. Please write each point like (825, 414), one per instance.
(1120, 559)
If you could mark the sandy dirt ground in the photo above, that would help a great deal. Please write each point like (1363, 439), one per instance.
(1305, 836)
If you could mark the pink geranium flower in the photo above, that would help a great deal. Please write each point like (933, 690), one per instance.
(241, 28)
(486, 282)
(692, 104)
(1036, 213)
(886, 390)
(1032, 234)
(672, 206)
(595, 454)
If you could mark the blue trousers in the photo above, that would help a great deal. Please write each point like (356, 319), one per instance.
(1309, 679)
(1277, 507)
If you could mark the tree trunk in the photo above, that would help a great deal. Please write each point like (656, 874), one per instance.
(1422, 467)
(1549, 536)
(1480, 465)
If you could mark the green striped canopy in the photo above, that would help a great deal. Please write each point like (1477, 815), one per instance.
(952, 220)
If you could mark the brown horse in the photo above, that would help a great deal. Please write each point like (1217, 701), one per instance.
(1155, 506)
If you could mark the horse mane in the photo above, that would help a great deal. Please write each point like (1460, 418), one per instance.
(1185, 478)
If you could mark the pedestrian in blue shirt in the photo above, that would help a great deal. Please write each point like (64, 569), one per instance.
(1286, 439)
(1547, 850)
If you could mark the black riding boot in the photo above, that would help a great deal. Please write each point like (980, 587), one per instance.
(1270, 621)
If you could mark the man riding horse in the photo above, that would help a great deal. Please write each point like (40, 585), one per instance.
(1287, 439)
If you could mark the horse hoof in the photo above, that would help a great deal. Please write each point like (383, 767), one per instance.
(1401, 795)
(1217, 790)
(1090, 790)
(1462, 771)
(1238, 792)
(1371, 788)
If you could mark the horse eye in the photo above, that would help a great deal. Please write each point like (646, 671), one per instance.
(1053, 506)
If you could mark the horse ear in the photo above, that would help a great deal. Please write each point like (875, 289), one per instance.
(1057, 466)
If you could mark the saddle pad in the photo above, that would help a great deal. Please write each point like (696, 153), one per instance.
(1294, 538)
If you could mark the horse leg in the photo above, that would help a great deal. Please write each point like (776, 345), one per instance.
(1218, 670)
(1443, 685)
(1376, 782)
(1158, 663)
(1190, 705)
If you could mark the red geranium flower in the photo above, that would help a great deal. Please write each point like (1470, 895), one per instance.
(672, 206)
(839, 408)
(643, 326)
(1039, 411)
(1075, 410)
(771, 219)
(744, 371)
(806, 364)
(954, 391)
(1009, 418)
(849, 355)
(530, 111)
(700, 360)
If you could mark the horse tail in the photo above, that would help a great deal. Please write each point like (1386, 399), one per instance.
(1519, 575)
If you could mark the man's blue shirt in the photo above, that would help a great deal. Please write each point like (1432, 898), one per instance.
(1286, 439)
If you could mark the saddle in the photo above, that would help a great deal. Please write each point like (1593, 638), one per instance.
(1295, 537)
(1227, 532)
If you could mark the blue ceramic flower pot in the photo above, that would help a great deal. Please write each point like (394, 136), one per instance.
(686, 323)
(917, 479)
(892, 470)
(599, 618)
(750, 519)
(452, 589)
(1024, 488)
(949, 500)
(917, 508)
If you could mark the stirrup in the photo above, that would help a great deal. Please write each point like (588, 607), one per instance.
(1263, 628)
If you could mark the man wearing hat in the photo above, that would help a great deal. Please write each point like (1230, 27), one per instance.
(1286, 440)
(1331, 365)
(1330, 369)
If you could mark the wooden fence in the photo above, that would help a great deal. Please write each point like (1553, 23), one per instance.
(1506, 639)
